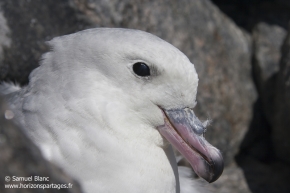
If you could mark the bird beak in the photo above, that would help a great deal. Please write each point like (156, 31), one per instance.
(186, 133)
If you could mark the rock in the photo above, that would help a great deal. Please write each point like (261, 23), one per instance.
(265, 144)
(19, 157)
(284, 3)
(247, 14)
(31, 23)
(258, 139)
(281, 113)
(5, 41)
(265, 178)
(267, 41)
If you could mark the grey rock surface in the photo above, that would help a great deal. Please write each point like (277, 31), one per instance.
(5, 40)
(31, 24)
(284, 2)
(264, 151)
(258, 142)
(265, 177)
(247, 14)
(281, 131)
(19, 157)
(267, 41)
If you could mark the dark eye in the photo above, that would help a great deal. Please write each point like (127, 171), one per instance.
(141, 69)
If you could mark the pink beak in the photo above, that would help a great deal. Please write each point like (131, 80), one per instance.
(186, 133)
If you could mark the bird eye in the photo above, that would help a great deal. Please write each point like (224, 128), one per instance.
(141, 69)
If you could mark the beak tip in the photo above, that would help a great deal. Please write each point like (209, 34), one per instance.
(218, 172)
(211, 170)
(185, 131)
(217, 169)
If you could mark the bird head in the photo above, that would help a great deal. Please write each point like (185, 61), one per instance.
(147, 81)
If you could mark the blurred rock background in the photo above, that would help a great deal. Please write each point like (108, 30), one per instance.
(240, 49)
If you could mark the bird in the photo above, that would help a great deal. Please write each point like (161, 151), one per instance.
(108, 105)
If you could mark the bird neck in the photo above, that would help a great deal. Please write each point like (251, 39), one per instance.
(102, 153)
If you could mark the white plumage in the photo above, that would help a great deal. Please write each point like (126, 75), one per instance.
(89, 112)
